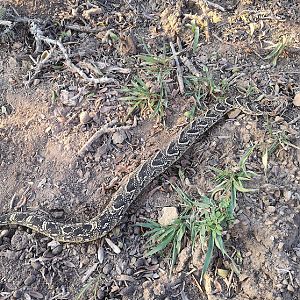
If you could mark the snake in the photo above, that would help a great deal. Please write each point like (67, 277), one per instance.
(136, 182)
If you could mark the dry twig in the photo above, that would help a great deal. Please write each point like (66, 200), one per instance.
(178, 70)
(105, 129)
(38, 34)
(85, 28)
(214, 5)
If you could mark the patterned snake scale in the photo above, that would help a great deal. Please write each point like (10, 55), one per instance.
(127, 193)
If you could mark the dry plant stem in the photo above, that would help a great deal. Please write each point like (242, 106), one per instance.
(39, 67)
(37, 33)
(214, 5)
(190, 66)
(105, 129)
(84, 28)
(178, 70)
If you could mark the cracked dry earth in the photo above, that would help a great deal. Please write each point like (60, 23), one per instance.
(43, 127)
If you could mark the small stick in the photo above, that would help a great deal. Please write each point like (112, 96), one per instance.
(38, 34)
(39, 67)
(178, 70)
(84, 28)
(105, 129)
(214, 5)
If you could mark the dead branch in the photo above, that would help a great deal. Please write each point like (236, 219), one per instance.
(84, 28)
(105, 129)
(38, 35)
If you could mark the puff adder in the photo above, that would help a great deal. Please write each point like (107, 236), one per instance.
(128, 192)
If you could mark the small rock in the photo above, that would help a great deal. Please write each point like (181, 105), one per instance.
(183, 258)
(100, 295)
(19, 240)
(280, 246)
(100, 254)
(140, 262)
(57, 250)
(4, 232)
(234, 113)
(287, 195)
(137, 230)
(127, 291)
(84, 117)
(36, 264)
(119, 137)
(285, 282)
(269, 222)
(271, 209)
(107, 269)
(92, 249)
(198, 257)
(154, 260)
(29, 280)
(169, 214)
(17, 294)
(290, 288)
(129, 271)
(296, 101)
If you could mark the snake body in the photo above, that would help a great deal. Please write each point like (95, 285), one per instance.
(136, 182)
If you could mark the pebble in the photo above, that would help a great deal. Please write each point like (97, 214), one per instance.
(137, 230)
(36, 264)
(4, 233)
(271, 209)
(107, 269)
(268, 222)
(154, 260)
(100, 295)
(287, 195)
(280, 246)
(29, 280)
(92, 249)
(19, 240)
(17, 294)
(84, 117)
(119, 137)
(140, 262)
(127, 291)
(57, 250)
(290, 288)
(100, 254)
(296, 101)
(129, 271)
(169, 214)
